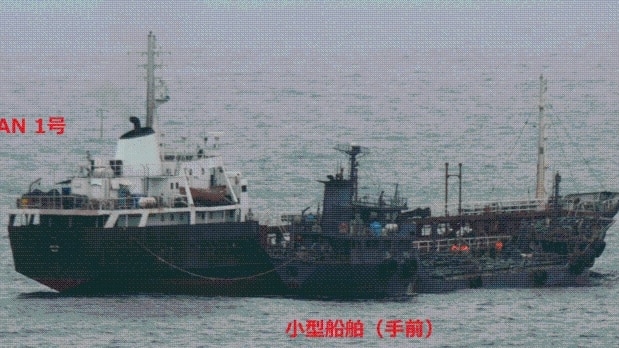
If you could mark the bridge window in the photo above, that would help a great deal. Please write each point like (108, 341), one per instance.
(426, 230)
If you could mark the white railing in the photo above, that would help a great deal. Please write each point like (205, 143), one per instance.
(478, 208)
(378, 201)
(84, 203)
(505, 206)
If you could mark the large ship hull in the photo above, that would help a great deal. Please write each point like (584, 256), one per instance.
(209, 259)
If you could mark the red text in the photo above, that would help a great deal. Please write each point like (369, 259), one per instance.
(409, 328)
(18, 125)
(338, 328)
(319, 328)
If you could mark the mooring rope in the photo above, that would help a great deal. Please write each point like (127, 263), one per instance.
(180, 269)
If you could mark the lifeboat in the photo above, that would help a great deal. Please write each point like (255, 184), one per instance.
(209, 196)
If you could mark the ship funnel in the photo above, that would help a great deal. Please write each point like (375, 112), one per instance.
(139, 149)
(339, 192)
(135, 121)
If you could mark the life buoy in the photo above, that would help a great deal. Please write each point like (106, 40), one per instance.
(498, 246)
(343, 228)
(464, 248)
(454, 248)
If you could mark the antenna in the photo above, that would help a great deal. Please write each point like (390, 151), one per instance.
(152, 100)
(352, 151)
(100, 115)
(540, 189)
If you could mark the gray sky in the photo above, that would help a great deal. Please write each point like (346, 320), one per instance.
(295, 25)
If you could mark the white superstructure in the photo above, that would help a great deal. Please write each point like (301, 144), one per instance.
(143, 184)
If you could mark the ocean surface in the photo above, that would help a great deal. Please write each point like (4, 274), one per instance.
(418, 84)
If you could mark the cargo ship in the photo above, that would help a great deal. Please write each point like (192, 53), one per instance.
(360, 246)
(549, 241)
(156, 220)
(352, 249)
(148, 220)
(538, 243)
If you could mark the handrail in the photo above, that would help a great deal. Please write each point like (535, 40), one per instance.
(80, 202)
(571, 204)
(484, 207)
(378, 201)
(445, 244)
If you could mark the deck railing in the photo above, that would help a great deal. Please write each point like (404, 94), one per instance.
(478, 208)
(81, 202)
(474, 243)
(382, 202)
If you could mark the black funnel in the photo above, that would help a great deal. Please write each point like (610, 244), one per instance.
(135, 121)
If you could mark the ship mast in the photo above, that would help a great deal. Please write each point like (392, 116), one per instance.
(353, 150)
(540, 189)
(155, 94)
(150, 81)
